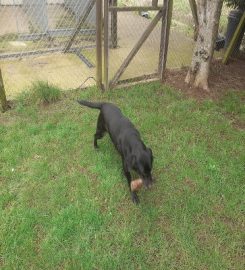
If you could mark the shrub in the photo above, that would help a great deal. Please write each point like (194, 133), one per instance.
(43, 93)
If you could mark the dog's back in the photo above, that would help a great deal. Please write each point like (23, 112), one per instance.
(114, 120)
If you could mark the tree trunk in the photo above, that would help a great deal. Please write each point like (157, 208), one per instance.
(208, 18)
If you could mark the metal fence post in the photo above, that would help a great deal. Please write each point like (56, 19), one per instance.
(99, 43)
(106, 43)
(114, 25)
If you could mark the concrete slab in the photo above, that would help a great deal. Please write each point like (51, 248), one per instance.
(64, 70)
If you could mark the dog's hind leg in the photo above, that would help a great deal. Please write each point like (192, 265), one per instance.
(100, 130)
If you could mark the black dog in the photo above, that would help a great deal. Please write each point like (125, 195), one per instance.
(135, 155)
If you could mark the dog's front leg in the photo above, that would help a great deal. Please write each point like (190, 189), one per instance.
(127, 174)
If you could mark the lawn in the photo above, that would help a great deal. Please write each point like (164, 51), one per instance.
(66, 206)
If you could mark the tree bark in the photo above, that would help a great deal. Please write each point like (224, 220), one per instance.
(208, 17)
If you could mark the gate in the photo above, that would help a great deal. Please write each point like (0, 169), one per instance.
(128, 57)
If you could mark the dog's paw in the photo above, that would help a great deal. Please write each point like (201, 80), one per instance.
(135, 198)
(96, 147)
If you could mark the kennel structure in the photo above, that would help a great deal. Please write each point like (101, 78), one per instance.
(36, 11)
(46, 26)
(78, 8)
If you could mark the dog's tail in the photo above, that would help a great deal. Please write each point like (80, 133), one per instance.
(94, 105)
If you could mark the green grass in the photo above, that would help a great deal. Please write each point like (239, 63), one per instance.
(40, 93)
(234, 104)
(66, 206)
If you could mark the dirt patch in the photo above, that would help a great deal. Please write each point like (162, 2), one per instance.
(190, 184)
(223, 78)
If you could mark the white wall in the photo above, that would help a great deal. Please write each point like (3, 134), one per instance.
(10, 2)
(19, 2)
(55, 1)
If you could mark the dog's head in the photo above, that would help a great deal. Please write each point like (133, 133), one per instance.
(143, 166)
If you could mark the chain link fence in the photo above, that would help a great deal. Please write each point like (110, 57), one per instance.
(55, 41)
(131, 26)
(34, 35)
(129, 29)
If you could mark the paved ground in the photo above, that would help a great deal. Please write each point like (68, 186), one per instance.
(64, 70)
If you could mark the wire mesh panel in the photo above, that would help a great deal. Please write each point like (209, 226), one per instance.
(127, 30)
(181, 41)
(83, 42)
(38, 14)
(77, 7)
(131, 27)
(37, 42)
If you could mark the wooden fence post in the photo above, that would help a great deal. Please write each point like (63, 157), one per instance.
(166, 23)
(154, 3)
(3, 100)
